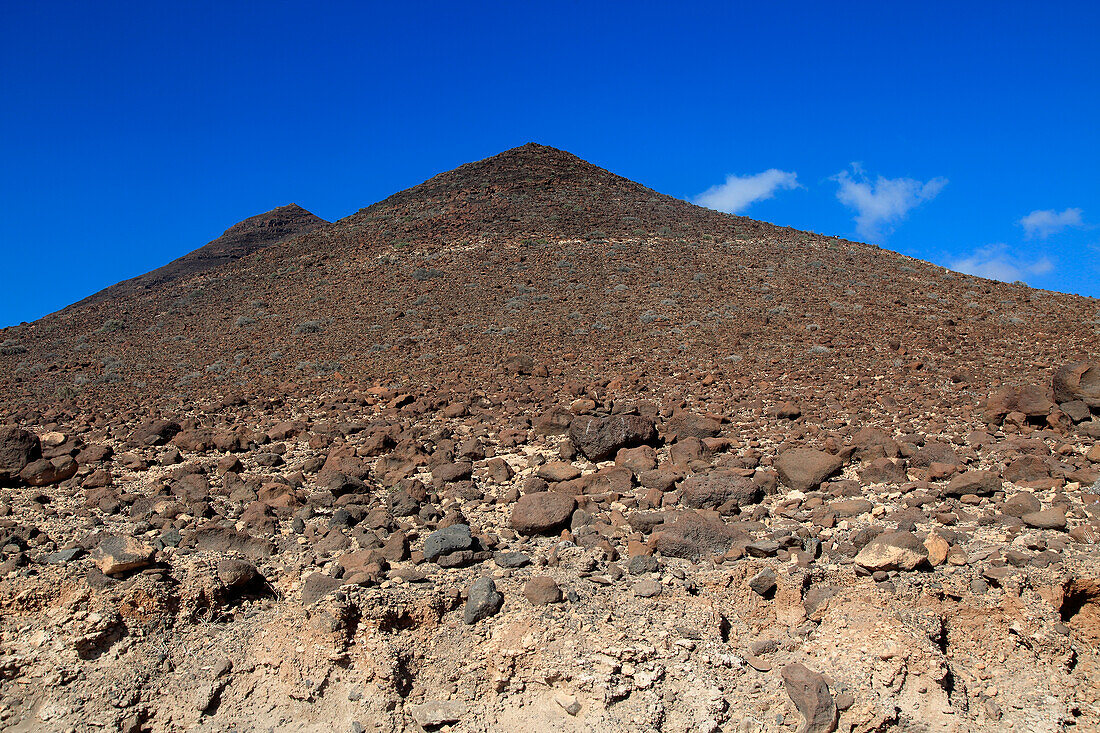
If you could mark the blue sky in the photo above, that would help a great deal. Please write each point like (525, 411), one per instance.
(131, 133)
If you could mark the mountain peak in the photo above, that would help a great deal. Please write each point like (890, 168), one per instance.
(242, 239)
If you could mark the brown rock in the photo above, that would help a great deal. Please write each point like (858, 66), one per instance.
(1027, 399)
(542, 513)
(599, 438)
(810, 694)
(542, 590)
(937, 548)
(18, 448)
(116, 554)
(1053, 518)
(45, 472)
(556, 471)
(692, 536)
(689, 425)
(893, 551)
(716, 488)
(979, 483)
(642, 458)
(1078, 381)
(803, 469)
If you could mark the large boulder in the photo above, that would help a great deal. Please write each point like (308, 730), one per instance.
(18, 447)
(543, 512)
(599, 438)
(1029, 399)
(717, 488)
(45, 472)
(893, 551)
(1079, 381)
(693, 536)
(803, 469)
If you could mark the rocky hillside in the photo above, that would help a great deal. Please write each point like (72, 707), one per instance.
(532, 447)
(243, 238)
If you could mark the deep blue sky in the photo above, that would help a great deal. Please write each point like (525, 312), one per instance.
(131, 134)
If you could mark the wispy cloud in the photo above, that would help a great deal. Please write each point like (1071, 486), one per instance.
(996, 262)
(1042, 223)
(739, 192)
(883, 202)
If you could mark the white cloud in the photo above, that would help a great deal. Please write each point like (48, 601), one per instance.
(739, 192)
(997, 263)
(881, 203)
(1042, 223)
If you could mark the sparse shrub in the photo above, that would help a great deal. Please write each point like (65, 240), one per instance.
(423, 274)
(111, 325)
(243, 321)
(312, 326)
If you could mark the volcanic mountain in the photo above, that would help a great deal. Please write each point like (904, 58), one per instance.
(531, 446)
(536, 257)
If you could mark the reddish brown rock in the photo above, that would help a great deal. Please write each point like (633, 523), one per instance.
(1027, 399)
(810, 694)
(804, 469)
(599, 438)
(1079, 381)
(542, 513)
(692, 537)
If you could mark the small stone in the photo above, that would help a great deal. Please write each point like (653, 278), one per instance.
(542, 590)
(437, 713)
(937, 548)
(567, 702)
(648, 588)
(511, 559)
(763, 583)
(482, 600)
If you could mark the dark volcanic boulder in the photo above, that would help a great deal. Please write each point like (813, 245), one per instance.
(1079, 381)
(155, 432)
(46, 472)
(712, 490)
(692, 536)
(804, 469)
(599, 438)
(18, 447)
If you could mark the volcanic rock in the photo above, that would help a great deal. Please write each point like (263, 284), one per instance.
(599, 438)
(803, 469)
(1079, 381)
(810, 694)
(543, 512)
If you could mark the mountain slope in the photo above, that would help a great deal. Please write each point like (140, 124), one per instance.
(241, 239)
(537, 253)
